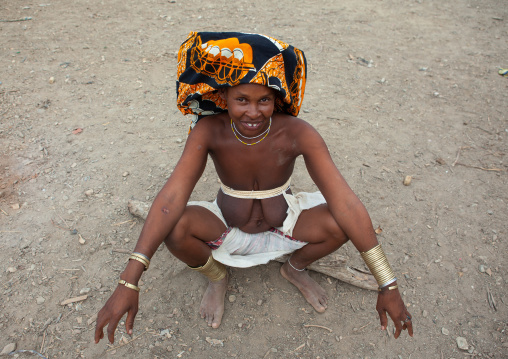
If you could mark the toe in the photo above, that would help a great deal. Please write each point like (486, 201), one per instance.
(215, 324)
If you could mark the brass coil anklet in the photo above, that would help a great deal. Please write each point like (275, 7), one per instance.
(378, 265)
(213, 270)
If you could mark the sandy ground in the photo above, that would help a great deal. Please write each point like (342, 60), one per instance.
(397, 88)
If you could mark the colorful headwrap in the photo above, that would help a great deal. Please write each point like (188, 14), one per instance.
(208, 61)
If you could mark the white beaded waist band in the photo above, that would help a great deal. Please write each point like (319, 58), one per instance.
(256, 194)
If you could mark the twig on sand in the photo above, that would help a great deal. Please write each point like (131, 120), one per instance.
(490, 299)
(125, 343)
(74, 300)
(43, 340)
(120, 223)
(299, 347)
(364, 326)
(65, 223)
(317, 326)
(481, 168)
(457, 158)
(16, 20)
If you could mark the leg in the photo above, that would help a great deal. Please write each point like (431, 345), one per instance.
(187, 243)
(324, 236)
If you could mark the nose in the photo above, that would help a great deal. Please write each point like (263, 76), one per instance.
(253, 110)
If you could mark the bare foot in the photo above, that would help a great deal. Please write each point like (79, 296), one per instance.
(212, 304)
(312, 291)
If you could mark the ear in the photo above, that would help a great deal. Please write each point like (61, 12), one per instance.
(222, 93)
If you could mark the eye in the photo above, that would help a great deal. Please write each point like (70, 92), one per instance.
(241, 99)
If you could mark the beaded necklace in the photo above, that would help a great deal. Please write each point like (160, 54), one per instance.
(251, 138)
(265, 133)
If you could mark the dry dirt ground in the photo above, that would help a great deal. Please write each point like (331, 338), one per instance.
(396, 87)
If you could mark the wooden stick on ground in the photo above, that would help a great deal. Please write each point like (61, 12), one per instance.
(317, 326)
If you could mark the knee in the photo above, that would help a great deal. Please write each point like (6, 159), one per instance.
(176, 238)
(332, 229)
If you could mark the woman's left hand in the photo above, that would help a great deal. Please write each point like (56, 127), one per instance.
(390, 301)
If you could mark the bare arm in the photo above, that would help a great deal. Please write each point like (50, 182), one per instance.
(165, 212)
(351, 215)
(345, 206)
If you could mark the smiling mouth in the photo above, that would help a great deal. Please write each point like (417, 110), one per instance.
(251, 125)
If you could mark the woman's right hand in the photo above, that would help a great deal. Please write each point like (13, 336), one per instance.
(123, 300)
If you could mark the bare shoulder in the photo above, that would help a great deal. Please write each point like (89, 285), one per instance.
(302, 133)
(207, 130)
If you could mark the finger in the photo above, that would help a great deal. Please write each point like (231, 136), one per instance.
(99, 334)
(99, 325)
(410, 328)
(129, 322)
(383, 319)
(111, 330)
(398, 329)
(408, 324)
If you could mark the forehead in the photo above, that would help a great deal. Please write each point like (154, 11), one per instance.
(250, 90)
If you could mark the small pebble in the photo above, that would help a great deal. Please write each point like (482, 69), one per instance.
(407, 180)
(11, 269)
(9, 348)
(462, 343)
(125, 174)
(51, 80)
(425, 314)
(481, 268)
(260, 302)
(40, 300)
(89, 192)
(232, 298)
(84, 291)
(445, 331)
(179, 140)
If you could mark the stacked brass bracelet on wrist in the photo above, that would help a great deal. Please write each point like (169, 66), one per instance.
(128, 285)
(140, 257)
(378, 264)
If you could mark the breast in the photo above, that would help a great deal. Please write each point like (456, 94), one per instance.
(253, 215)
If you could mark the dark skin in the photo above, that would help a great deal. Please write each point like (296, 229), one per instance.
(263, 166)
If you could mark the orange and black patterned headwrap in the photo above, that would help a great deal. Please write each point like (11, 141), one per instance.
(208, 61)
